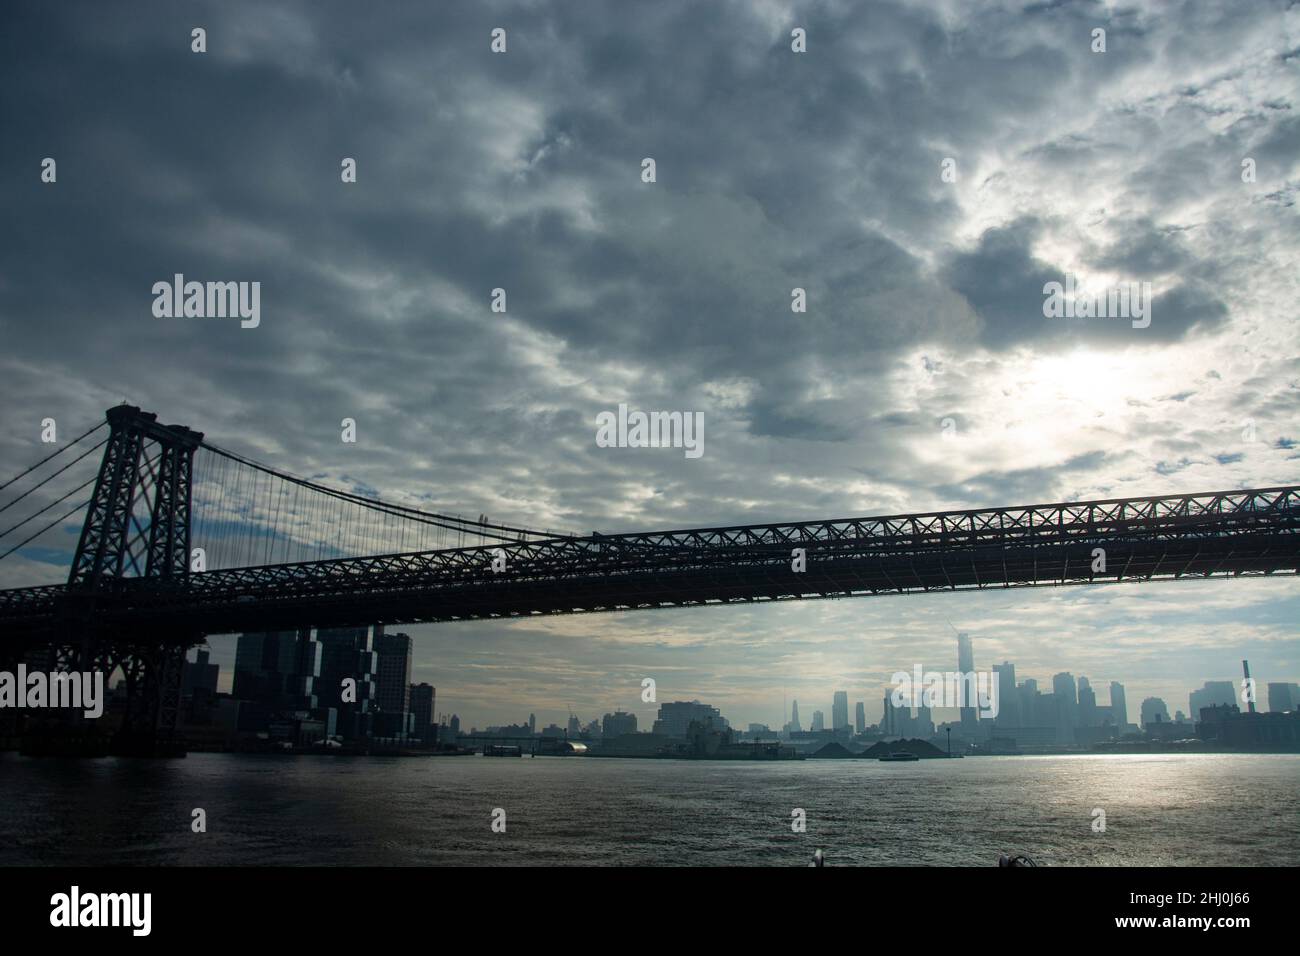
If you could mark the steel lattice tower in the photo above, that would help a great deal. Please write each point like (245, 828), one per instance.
(138, 520)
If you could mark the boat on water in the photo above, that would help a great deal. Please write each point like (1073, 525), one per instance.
(898, 755)
(819, 858)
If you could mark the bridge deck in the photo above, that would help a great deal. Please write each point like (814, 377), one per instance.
(1247, 532)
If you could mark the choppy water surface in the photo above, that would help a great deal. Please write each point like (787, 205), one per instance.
(1160, 810)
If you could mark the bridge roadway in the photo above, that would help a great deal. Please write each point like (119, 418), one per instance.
(1230, 533)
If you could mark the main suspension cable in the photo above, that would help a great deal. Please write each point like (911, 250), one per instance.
(45, 529)
(46, 481)
(49, 506)
(447, 522)
(53, 454)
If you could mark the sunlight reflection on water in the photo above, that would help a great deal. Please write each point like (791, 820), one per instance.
(1160, 810)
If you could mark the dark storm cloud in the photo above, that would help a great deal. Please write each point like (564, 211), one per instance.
(1004, 282)
(1145, 250)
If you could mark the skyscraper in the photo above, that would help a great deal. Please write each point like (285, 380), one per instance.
(675, 718)
(1008, 698)
(262, 660)
(966, 665)
(618, 723)
(860, 718)
(794, 717)
(818, 721)
(278, 669)
(392, 684)
(1154, 711)
(1281, 697)
(1067, 705)
(840, 710)
(422, 703)
(199, 686)
(1087, 704)
(1027, 701)
(923, 724)
(201, 676)
(1118, 706)
(1212, 692)
(1047, 713)
(346, 655)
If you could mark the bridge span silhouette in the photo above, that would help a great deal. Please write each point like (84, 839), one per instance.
(182, 539)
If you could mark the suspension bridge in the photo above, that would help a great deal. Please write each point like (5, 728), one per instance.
(178, 538)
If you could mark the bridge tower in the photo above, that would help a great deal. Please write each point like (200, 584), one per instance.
(137, 525)
(138, 520)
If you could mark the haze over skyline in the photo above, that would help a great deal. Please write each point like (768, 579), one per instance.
(493, 673)
(775, 171)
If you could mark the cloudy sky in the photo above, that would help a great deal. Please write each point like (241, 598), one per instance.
(923, 374)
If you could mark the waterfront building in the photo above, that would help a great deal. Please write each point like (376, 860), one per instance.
(675, 718)
(423, 698)
(1282, 697)
(1211, 693)
(278, 670)
(199, 675)
(393, 654)
(1154, 711)
(346, 654)
(619, 723)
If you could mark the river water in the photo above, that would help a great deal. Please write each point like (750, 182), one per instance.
(1159, 810)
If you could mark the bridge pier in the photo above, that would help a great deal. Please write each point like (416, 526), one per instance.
(151, 725)
(150, 722)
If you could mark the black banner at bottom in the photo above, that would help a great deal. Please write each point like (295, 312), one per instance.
(224, 906)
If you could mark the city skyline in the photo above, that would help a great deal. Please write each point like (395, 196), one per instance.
(480, 708)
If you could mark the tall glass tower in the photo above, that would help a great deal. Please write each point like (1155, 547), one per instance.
(840, 710)
(966, 665)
